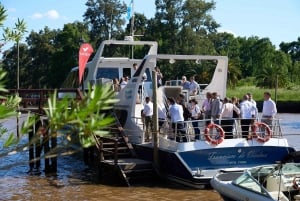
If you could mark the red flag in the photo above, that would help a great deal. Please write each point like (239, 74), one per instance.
(85, 52)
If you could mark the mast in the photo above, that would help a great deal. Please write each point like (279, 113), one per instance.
(132, 19)
(132, 26)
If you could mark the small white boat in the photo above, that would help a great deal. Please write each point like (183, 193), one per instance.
(261, 183)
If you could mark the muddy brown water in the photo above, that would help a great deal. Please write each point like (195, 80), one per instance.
(75, 182)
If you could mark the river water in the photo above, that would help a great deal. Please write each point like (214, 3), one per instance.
(75, 182)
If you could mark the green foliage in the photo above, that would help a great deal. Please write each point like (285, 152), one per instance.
(89, 117)
(2, 15)
(283, 94)
(105, 18)
(15, 34)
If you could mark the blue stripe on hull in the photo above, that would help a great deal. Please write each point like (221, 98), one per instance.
(234, 157)
(210, 159)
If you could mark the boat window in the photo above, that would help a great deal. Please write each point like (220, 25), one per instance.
(126, 72)
(248, 182)
(291, 168)
(110, 73)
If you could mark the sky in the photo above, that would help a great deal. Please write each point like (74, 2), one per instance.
(277, 20)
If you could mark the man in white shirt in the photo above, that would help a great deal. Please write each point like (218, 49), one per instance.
(148, 113)
(253, 102)
(269, 109)
(176, 114)
(248, 112)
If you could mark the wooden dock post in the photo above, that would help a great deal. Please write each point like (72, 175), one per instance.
(41, 140)
(155, 121)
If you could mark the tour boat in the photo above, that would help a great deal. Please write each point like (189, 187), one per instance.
(194, 162)
(189, 161)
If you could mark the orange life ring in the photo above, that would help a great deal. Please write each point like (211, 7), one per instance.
(267, 129)
(296, 183)
(219, 129)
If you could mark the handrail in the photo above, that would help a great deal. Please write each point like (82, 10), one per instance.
(189, 129)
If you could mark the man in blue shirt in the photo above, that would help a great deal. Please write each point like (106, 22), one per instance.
(194, 87)
(185, 84)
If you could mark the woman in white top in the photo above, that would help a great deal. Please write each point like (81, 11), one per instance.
(227, 117)
(195, 113)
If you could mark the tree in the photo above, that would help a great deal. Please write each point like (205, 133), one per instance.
(247, 55)
(194, 13)
(277, 71)
(105, 19)
(293, 49)
(41, 51)
(65, 55)
(9, 64)
(2, 19)
(16, 34)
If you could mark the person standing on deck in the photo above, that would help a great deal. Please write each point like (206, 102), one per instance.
(124, 82)
(206, 107)
(269, 109)
(159, 76)
(254, 103)
(215, 107)
(248, 111)
(194, 87)
(148, 113)
(195, 113)
(184, 83)
(162, 115)
(177, 120)
(227, 117)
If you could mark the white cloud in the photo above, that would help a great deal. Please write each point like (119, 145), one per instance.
(12, 10)
(36, 16)
(227, 31)
(50, 14)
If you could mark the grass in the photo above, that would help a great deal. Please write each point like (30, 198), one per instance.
(283, 94)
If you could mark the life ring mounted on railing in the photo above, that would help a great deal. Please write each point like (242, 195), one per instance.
(219, 138)
(268, 132)
(296, 183)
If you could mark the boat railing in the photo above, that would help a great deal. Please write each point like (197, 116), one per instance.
(197, 130)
